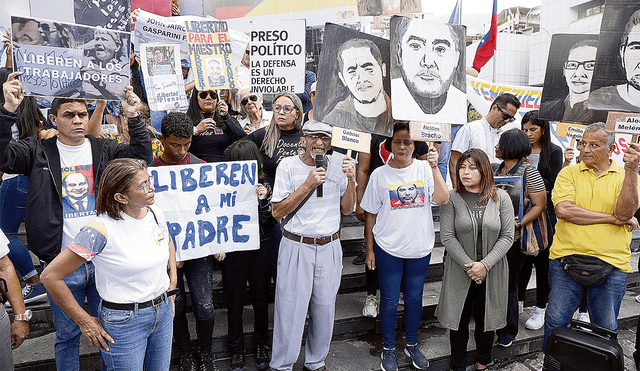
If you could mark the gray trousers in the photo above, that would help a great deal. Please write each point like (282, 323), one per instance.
(6, 358)
(308, 281)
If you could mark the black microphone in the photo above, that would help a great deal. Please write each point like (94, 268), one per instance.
(319, 163)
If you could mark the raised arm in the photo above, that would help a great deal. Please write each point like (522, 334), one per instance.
(441, 191)
(627, 202)
(348, 199)
(362, 177)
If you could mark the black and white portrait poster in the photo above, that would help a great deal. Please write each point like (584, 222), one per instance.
(616, 79)
(388, 7)
(163, 76)
(428, 71)
(353, 92)
(67, 60)
(570, 67)
(111, 14)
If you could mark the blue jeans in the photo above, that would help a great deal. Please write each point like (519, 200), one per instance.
(142, 337)
(603, 300)
(156, 119)
(82, 284)
(445, 151)
(13, 197)
(392, 272)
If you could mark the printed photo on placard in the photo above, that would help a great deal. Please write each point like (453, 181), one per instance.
(616, 78)
(354, 89)
(160, 60)
(388, 7)
(163, 81)
(570, 66)
(111, 14)
(67, 60)
(407, 195)
(428, 71)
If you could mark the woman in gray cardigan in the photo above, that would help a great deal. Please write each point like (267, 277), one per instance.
(476, 228)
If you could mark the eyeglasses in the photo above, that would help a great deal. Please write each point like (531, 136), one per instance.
(286, 108)
(145, 188)
(505, 116)
(315, 137)
(253, 97)
(573, 65)
(208, 93)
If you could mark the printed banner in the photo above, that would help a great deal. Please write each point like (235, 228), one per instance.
(277, 56)
(159, 7)
(163, 76)
(388, 7)
(428, 71)
(68, 60)
(210, 208)
(152, 28)
(211, 54)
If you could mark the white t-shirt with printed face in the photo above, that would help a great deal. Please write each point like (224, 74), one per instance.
(78, 191)
(401, 198)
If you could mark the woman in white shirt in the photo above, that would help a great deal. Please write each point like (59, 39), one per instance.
(400, 237)
(132, 252)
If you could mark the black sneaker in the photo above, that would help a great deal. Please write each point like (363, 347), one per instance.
(187, 363)
(206, 363)
(262, 357)
(237, 362)
(359, 260)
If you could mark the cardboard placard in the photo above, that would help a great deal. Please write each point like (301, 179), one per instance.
(624, 122)
(163, 76)
(428, 132)
(351, 139)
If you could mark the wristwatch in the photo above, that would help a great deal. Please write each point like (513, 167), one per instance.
(26, 316)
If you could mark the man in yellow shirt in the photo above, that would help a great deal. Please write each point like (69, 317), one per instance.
(595, 201)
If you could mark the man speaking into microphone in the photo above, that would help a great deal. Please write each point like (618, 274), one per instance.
(310, 257)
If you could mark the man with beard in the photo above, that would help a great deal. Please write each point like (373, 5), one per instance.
(428, 55)
(578, 73)
(624, 97)
(368, 107)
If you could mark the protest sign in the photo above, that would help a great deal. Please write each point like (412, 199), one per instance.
(209, 208)
(159, 7)
(428, 132)
(428, 71)
(152, 28)
(388, 7)
(277, 56)
(513, 186)
(622, 122)
(211, 54)
(351, 139)
(163, 76)
(111, 14)
(71, 60)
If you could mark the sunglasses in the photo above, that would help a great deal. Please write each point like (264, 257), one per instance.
(208, 93)
(286, 108)
(253, 98)
(505, 116)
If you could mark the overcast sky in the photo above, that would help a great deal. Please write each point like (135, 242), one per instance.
(476, 14)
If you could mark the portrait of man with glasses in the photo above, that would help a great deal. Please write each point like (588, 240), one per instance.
(565, 95)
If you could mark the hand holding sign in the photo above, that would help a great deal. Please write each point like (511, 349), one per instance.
(433, 156)
(349, 166)
(632, 158)
(13, 92)
(568, 156)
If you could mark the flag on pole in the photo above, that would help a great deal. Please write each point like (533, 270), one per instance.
(455, 15)
(487, 45)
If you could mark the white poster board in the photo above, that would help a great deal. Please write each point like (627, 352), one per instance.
(163, 76)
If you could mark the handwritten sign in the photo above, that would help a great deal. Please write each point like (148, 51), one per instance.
(211, 54)
(351, 139)
(163, 76)
(428, 132)
(624, 122)
(209, 207)
(277, 56)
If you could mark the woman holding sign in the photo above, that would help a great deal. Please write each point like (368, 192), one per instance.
(476, 229)
(398, 194)
(135, 265)
(214, 129)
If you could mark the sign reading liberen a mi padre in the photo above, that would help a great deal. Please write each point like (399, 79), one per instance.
(67, 60)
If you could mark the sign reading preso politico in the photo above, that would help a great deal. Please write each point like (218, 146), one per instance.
(210, 208)
(68, 60)
(163, 76)
(278, 56)
(211, 54)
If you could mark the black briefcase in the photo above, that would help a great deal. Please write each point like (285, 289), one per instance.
(585, 346)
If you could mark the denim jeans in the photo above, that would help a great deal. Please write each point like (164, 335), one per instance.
(81, 283)
(392, 272)
(13, 197)
(603, 300)
(199, 274)
(142, 337)
(445, 151)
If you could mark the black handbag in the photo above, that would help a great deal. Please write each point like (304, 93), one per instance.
(586, 270)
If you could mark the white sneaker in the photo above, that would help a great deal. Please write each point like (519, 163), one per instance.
(370, 307)
(584, 317)
(520, 307)
(536, 319)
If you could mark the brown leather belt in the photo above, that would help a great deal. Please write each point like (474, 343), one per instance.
(311, 240)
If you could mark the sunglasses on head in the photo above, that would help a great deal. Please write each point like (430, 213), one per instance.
(505, 116)
(253, 98)
(205, 94)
